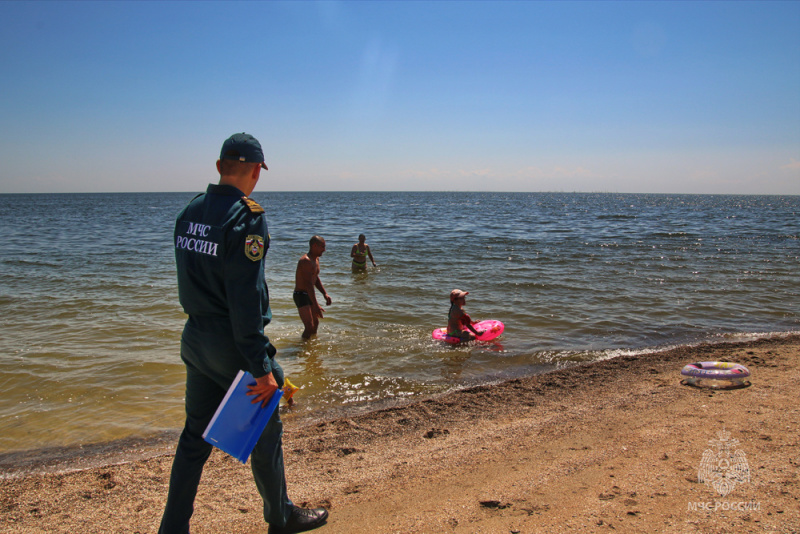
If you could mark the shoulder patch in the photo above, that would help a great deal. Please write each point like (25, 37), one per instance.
(252, 205)
(254, 247)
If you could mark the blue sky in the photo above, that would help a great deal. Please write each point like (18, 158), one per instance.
(661, 97)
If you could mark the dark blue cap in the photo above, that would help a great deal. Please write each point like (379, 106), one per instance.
(243, 147)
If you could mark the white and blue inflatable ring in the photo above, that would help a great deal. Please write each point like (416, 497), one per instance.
(716, 370)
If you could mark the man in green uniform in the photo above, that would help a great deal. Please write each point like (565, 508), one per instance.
(221, 238)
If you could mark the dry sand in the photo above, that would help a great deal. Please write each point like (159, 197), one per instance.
(613, 446)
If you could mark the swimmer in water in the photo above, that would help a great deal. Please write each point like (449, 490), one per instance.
(306, 281)
(359, 253)
(459, 324)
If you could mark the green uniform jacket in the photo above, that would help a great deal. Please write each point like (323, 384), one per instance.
(221, 239)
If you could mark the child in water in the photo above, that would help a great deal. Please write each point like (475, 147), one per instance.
(458, 322)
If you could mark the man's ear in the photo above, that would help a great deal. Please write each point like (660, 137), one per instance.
(219, 167)
(256, 172)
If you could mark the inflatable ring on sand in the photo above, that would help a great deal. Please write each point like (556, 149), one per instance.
(731, 374)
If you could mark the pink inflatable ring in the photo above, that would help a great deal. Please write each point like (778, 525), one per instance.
(716, 374)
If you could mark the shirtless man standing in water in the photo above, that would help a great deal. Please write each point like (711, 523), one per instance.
(306, 279)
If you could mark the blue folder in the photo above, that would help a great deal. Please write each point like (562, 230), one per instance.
(237, 423)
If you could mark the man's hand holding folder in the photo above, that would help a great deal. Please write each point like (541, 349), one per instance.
(263, 389)
(238, 421)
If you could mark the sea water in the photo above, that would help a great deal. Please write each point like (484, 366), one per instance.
(90, 322)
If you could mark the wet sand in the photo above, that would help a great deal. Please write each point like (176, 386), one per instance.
(612, 446)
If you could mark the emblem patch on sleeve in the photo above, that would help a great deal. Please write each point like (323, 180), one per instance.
(254, 247)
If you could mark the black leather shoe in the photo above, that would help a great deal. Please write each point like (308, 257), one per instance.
(301, 520)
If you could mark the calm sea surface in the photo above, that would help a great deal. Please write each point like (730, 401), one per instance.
(90, 321)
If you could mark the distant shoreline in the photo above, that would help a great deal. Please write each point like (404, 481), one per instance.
(446, 192)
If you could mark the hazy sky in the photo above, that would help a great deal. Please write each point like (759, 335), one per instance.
(663, 97)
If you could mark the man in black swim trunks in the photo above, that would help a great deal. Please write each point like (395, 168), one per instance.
(306, 279)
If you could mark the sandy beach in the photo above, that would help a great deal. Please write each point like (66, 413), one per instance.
(613, 446)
